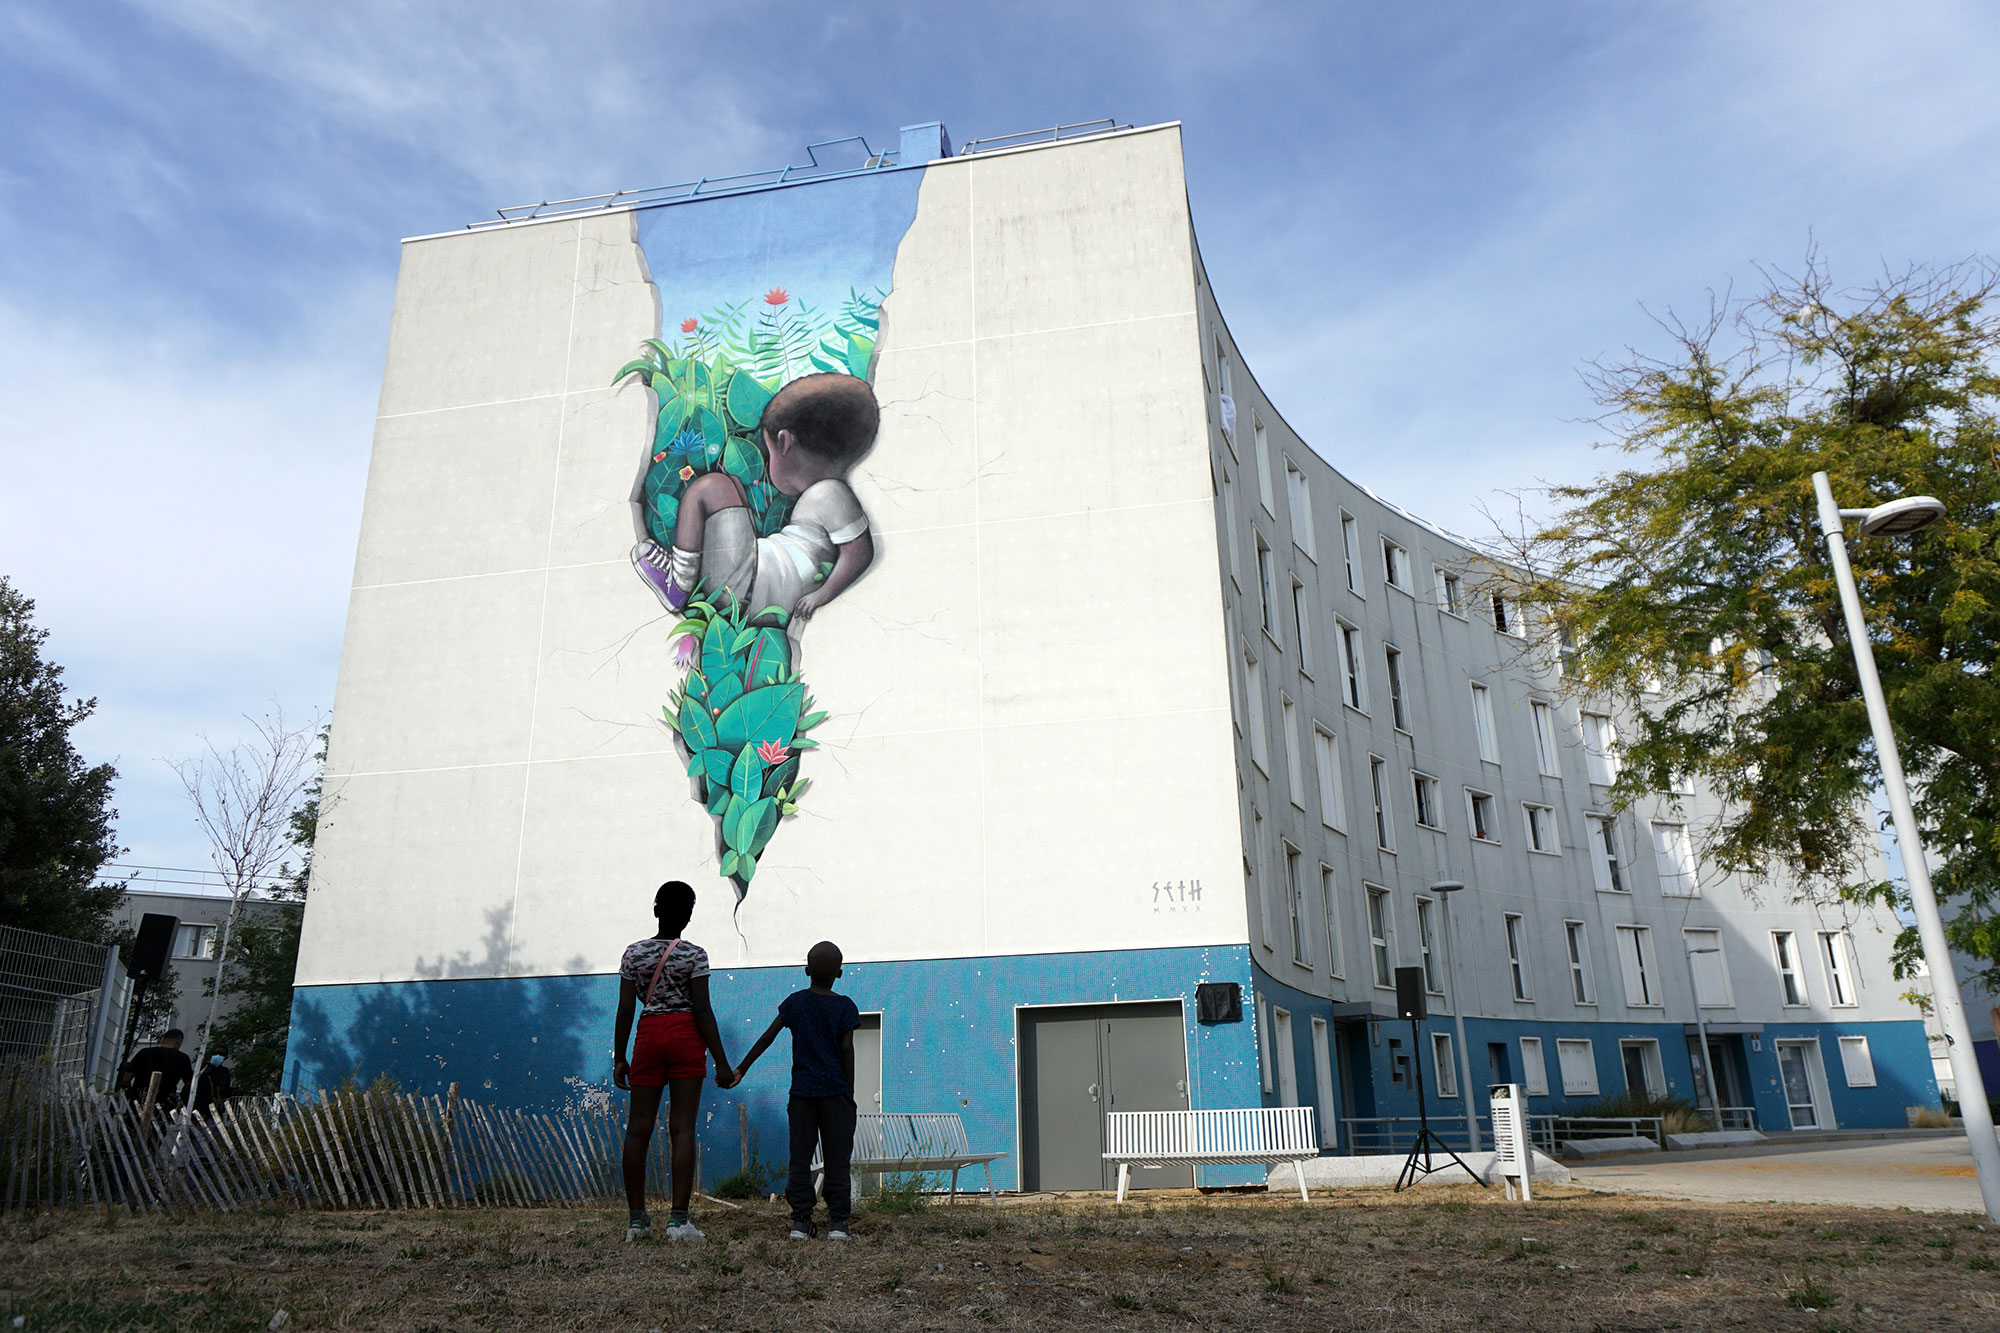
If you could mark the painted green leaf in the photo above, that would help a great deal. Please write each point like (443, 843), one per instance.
(787, 808)
(723, 691)
(732, 816)
(715, 648)
(775, 780)
(718, 797)
(690, 374)
(859, 351)
(754, 824)
(694, 763)
(746, 776)
(770, 713)
(697, 728)
(805, 743)
(811, 720)
(770, 658)
(642, 366)
(716, 765)
(746, 868)
(747, 397)
(800, 789)
(741, 641)
(728, 863)
(713, 432)
(742, 460)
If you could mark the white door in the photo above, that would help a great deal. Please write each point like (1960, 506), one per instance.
(1323, 1086)
(1288, 1064)
(1795, 1067)
(868, 1063)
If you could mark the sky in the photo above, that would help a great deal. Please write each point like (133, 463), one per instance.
(1421, 221)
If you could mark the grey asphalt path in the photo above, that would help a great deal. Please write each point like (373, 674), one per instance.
(1929, 1174)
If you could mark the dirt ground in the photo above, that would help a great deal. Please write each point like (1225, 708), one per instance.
(1444, 1258)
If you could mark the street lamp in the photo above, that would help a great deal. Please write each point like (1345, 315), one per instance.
(1897, 518)
(1701, 1028)
(1444, 889)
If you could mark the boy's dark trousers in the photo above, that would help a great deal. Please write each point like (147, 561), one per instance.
(826, 1122)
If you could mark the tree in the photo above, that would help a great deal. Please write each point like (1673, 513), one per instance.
(55, 810)
(1702, 569)
(264, 957)
(243, 800)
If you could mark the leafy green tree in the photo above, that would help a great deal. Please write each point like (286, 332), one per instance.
(1699, 570)
(55, 810)
(263, 958)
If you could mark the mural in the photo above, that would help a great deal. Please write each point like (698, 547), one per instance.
(750, 526)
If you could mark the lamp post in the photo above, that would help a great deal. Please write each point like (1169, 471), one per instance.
(1897, 518)
(1701, 1028)
(1444, 889)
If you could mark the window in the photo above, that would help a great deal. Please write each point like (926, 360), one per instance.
(1643, 1074)
(1350, 546)
(1579, 962)
(1229, 528)
(1711, 974)
(1579, 1067)
(1517, 966)
(1565, 651)
(1378, 937)
(1350, 666)
(1834, 951)
(1326, 762)
(1425, 791)
(1267, 588)
(1604, 853)
(1299, 499)
(194, 941)
(1302, 627)
(1226, 386)
(1263, 446)
(1545, 738)
(1329, 901)
(1264, 898)
(1446, 1066)
(1295, 888)
(1534, 1068)
(1264, 1042)
(1600, 748)
(1450, 593)
(1542, 830)
(1482, 723)
(1480, 807)
(1295, 776)
(1635, 956)
(1791, 976)
(1378, 783)
(1397, 714)
(1674, 857)
(1426, 949)
(1506, 617)
(1395, 565)
(1856, 1061)
(1260, 743)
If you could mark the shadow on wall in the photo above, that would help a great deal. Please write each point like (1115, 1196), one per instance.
(509, 1039)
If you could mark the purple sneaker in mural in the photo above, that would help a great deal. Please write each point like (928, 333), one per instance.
(655, 566)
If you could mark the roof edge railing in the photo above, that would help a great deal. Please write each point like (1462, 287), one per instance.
(810, 170)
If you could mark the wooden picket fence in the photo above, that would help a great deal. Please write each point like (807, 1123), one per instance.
(63, 1145)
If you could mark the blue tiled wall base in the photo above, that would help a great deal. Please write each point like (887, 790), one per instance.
(948, 1039)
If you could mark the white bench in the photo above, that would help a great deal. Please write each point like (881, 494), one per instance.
(1268, 1135)
(921, 1141)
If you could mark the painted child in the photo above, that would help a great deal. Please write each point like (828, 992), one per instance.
(815, 430)
(666, 978)
(821, 1109)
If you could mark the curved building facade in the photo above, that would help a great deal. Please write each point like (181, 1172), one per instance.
(1063, 708)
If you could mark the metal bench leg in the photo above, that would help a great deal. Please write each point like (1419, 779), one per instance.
(1124, 1175)
(1299, 1170)
(954, 1187)
(991, 1193)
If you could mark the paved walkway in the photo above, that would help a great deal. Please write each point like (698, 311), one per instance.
(1932, 1174)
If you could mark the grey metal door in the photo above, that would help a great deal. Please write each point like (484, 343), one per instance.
(868, 1063)
(1062, 1096)
(1147, 1071)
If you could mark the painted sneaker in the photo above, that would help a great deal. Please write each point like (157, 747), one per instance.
(639, 1228)
(684, 1231)
(655, 565)
(836, 1234)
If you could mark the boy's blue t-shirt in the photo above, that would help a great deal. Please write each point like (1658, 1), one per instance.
(817, 1023)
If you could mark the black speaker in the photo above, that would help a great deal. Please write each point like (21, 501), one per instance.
(150, 948)
(1410, 999)
(1218, 1002)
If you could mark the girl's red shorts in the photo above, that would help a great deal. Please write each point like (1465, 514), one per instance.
(667, 1047)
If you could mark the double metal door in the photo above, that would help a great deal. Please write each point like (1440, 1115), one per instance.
(1077, 1064)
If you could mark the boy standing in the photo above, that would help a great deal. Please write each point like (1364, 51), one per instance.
(821, 1109)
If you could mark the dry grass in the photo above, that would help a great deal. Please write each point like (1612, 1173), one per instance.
(1448, 1257)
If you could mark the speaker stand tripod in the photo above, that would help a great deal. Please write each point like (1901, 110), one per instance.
(1421, 1161)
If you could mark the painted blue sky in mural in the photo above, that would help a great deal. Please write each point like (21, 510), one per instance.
(1419, 218)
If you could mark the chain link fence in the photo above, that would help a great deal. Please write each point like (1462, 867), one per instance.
(62, 1004)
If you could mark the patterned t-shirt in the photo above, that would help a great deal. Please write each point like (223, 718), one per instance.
(685, 962)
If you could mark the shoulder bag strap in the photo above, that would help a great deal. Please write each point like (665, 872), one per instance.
(657, 969)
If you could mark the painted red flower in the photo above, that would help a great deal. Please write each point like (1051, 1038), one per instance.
(771, 752)
(687, 325)
(777, 296)
(658, 457)
(686, 472)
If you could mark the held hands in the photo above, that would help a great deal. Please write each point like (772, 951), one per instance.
(728, 1078)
